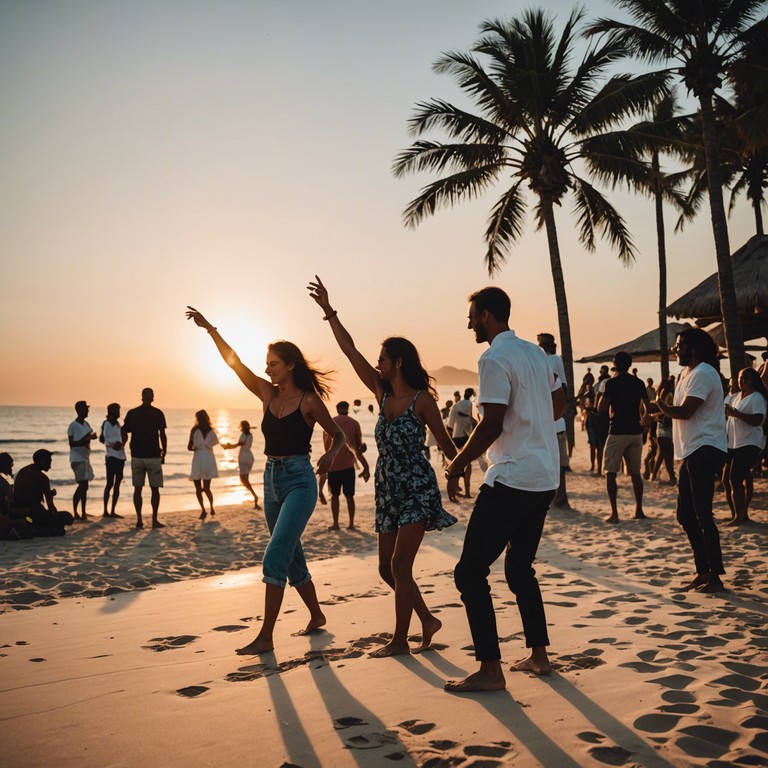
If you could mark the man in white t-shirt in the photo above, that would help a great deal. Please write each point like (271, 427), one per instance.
(698, 434)
(460, 424)
(80, 435)
(519, 399)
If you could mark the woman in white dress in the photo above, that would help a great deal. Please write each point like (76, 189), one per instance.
(202, 438)
(245, 458)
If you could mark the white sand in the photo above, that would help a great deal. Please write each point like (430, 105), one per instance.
(644, 675)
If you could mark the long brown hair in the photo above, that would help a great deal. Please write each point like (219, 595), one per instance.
(305, 376)
(413, 371)
(203, 422)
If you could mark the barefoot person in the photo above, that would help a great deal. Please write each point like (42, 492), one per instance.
(245, 459)
(80, 435)
(292, 405)
(112, 438)
(408, 501)
(519, 395)
(202, 438)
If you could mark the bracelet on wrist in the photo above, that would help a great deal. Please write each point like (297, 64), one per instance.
(331, 314)
(212, 330)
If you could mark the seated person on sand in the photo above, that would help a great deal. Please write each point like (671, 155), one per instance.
(13, 522)
(32, 487)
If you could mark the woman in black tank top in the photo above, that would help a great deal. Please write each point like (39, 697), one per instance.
(292, 405)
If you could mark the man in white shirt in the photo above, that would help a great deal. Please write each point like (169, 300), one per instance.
(698, 433)
(80, 435)
(519, 399)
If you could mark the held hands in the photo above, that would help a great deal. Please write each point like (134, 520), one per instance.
(324, 462)
(365, 474)
(199, 319)
(453, 488)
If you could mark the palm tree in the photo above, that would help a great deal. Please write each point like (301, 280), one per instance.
(632, 157)
(534, 111)
(705, 38)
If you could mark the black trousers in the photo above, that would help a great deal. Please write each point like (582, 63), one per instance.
(511, 519)
(695, 490)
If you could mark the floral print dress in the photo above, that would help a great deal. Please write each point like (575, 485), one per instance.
(406, 486)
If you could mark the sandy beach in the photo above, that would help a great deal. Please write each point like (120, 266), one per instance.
(118, 649)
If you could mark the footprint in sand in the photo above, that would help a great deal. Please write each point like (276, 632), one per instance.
(591, 737)
(656, 723)
(252, 672)
(371, 740)
(678, 682)
(347, 722)
(603, 613)
(37, 659)
(416, 727)
(487, 750)
(576, 661)
(230, 628)
(191, 691)
(159, 644)
(705, 741)
(610, 755)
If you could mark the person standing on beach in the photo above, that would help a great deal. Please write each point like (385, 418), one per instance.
(80, 435)
(408, 500)
(245, 458)
(461, 422)
(341, 475)
(626, 399)
(519, 398)
(112, 437)
(698, 434)
(547, 342)
(202, 438)
(293, 404)
(149, 444)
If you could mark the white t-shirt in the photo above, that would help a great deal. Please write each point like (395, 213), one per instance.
(557, 367)
(112, 435)
(707, 425)
(739, 432)
(77, 431)
(460, 418)
(515, 373)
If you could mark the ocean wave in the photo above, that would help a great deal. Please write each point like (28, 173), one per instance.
(27, 440)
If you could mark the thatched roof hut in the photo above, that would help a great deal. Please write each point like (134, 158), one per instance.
(750, 275)
(644, 349)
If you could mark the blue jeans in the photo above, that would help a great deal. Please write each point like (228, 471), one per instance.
(290, 495)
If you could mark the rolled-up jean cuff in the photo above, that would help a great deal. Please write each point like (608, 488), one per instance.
(284, 584)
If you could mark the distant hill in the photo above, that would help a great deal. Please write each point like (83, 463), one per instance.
(450, 375)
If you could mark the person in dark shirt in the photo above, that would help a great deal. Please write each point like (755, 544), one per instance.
(32, 488)
(625, 398)
(146, 426)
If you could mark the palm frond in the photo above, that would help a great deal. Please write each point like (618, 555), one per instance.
(505, 225)
(457, 123)
(594, 212)
(449, 191)
(639, 41)
(435, 156)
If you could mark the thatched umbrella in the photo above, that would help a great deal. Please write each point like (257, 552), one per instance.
(644, 349)
(750, 275)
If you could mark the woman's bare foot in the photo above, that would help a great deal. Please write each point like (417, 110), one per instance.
(428, 631)
(391, 649)
(539, 666)
(255, 647)
(612, 519)
(477, 683)
(314, 623)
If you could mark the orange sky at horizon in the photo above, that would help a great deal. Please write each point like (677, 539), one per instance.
(155, 155)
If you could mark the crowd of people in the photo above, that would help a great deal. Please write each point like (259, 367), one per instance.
(516, 431)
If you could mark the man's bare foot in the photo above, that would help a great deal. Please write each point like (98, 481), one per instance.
(255, 647)
(213, 512)
(139, 525)
(333, 527)
(203, 515)
(640, 515)
(428, 631)
(114, 514)
(155, 524)
(351, 527)
(391, 649)
(476, 683)
(538, 667)
(106, 514)
(612, 519)
(316, 623)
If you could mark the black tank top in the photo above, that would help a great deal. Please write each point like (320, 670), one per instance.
(288, 436)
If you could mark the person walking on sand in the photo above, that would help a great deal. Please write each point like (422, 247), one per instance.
(202, 438)
(520, 398)
(626, 399)
(149, 444)
(341, 475)
(112, 438)
(460, 424)
(698, 434)
(80, 435)
(408, 501)
(293, 404)
(245, 459)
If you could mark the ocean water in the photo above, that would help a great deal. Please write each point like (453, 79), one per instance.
(24, 429)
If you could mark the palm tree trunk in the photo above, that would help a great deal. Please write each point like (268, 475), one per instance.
(662, 249)
(758, 218)
(729, 310)
(563, 321)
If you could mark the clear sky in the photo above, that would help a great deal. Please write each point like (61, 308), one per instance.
(158, 153)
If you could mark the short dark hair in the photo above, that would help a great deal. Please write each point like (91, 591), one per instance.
(622, 360)
(494, 300)
(342, 406)
(701, 344)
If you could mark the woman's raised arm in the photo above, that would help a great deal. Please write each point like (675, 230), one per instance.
(365, 371)
(262, 388)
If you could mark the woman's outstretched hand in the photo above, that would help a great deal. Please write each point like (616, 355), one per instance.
(193, 314)
(320, 294)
